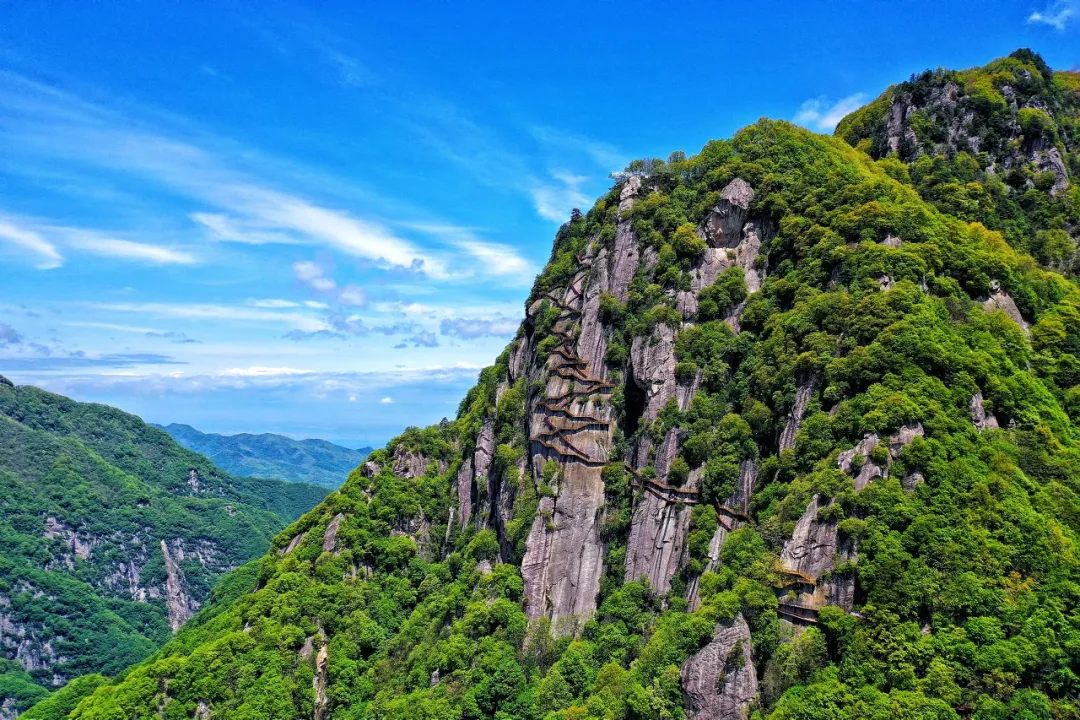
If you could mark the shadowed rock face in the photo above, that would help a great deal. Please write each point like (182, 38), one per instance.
(734, 241)
(724, 224)
(656, 547)
(803, 393)
(979, 416)
(812, 551)
(719, 681)
(654, 369)
(180, 605)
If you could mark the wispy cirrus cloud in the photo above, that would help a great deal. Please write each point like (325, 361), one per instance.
(240, 205)
(44, 239)
(1057, 15)
(822, 115)
(209, 311)
(28, 240)
(555, 198)
(99, 244)
(45, 361)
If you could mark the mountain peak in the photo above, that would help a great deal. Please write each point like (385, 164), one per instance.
(777, 435)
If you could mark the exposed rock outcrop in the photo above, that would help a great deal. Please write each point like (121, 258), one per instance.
(723, 226)
(320, 682)
(719, 681)
(179, 603)
(330, 536)
(653, 362)
(1001, 300)
(803, 392)
(867, 470)
(409, 464)
(979, 416)
(808, 555)
(572, 424)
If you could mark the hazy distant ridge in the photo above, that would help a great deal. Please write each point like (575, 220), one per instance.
(273, 456)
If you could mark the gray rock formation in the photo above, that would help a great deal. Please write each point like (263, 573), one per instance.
(1001, 300)
(330, 536)
(572, 424)
(653, 362)
(628, 193)
(408, 464)
(657, 544)
(1050, 160)
(293, 544)
(867, 470)
(719, 681)
(810, 553)
(320, 682)
(803, 392)
(723, 226)
(979, 416)
(179, 603)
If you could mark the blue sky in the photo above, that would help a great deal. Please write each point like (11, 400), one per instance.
(323, 220)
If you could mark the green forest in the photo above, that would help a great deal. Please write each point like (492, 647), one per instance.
(87, 494)
(913, 274)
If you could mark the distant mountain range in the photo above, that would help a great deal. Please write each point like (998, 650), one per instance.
(266, 455)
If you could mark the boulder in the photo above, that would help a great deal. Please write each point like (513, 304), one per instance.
(719, 681)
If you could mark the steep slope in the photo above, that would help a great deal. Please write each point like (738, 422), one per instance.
(760, 446)
(111, 536)
(275, 457)
(998, 144)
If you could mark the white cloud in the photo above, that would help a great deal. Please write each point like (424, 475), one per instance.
(354, 296)
(312, 274)
(114, 326)
(243, 207)
(259, 371)
(316, 305)
(387, 400)
(274, 303)
(32, 241)
(603, 154)
(817, 114)
(1056, 15)
(202, 311)
(494, 258)
(554, 200)
(126, 249)
(42, 238)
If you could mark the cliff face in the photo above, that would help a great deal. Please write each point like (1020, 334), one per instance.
(760, 443)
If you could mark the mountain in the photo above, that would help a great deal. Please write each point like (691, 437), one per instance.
(111, 536)
(995, 144)
(317, 462)
(778, 437)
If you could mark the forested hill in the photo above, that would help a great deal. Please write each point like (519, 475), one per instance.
(111, 536)
(779, 437)
(995, 144)
(267, 455)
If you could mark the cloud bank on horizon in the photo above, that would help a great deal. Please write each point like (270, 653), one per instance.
(297, 222)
